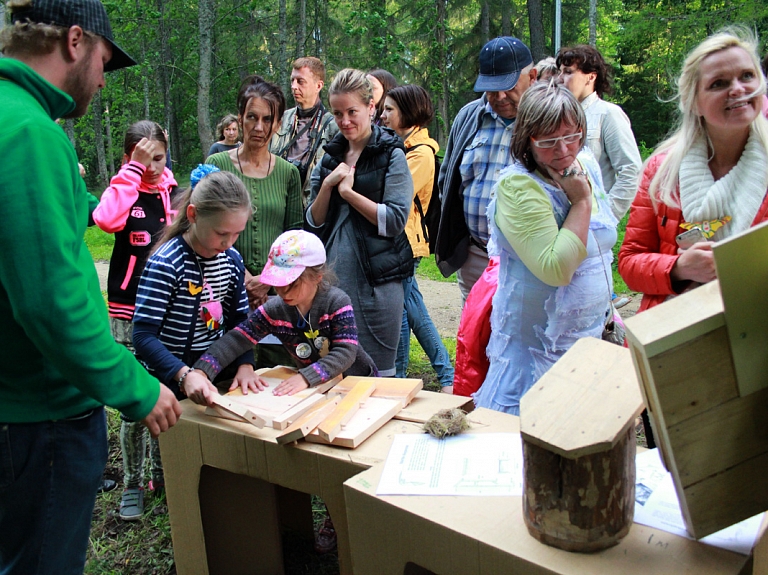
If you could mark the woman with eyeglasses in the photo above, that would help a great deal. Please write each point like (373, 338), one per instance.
(553, 230)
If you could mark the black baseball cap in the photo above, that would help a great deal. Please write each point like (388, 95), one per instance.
(90, 15)
(501, 61)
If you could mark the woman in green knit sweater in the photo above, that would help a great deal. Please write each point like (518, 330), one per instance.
(274, 184)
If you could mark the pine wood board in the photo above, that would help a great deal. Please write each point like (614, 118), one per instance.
(585, 402)
(309, 420)
(398, 388)
(346, 408)
(366, 420)
(742, 269)
(238, 411)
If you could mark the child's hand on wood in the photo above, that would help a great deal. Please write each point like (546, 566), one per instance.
(198, 388)
(247, 380)
(292, 385)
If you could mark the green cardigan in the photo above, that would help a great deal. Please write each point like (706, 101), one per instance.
(277, 207)
(57, 353)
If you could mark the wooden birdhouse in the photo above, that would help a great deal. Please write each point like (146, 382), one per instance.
(702, 358)
(577, 425)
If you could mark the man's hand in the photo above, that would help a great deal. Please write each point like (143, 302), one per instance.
(165, 413)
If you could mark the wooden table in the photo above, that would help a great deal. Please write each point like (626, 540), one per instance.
(419, 535)
(230, 487)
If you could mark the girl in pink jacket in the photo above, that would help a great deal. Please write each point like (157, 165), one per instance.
(135, 207)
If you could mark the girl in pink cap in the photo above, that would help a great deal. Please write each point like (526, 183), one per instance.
(312, 319)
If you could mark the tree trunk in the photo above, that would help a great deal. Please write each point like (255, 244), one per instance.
(301, 30)
(443, 121)
(282, 53)
(593, 22)
(485, 22)
(165, 81)
(206, 20)
(98, 140)
(69, 128)
(108, 129)
(536, 25)
(506, 18)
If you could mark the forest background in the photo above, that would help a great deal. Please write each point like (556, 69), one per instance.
(193, 55)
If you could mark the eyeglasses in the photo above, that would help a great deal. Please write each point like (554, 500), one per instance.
(552, 142)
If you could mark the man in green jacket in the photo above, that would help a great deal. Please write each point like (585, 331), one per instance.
(60, 363)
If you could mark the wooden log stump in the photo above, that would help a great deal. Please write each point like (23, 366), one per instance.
(583, 504)
(577, 425)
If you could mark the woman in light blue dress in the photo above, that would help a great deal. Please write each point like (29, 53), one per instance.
(553, 229)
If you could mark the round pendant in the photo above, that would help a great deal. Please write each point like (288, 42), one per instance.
(319, 341)
(303, 350)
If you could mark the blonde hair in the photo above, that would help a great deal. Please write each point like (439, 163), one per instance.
(690, 126)
(215, 193)
(351, 81)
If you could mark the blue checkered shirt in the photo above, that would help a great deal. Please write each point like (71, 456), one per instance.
(481, 163)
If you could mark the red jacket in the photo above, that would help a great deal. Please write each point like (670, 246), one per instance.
(474, 332)
(649, 250)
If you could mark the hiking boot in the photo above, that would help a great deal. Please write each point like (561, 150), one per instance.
(325, 538)
(106, 486)
(132, 504)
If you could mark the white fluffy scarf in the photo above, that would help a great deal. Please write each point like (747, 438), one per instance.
(738, 194)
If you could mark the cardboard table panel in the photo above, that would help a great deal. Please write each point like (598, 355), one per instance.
(225, 480)
(450, 535)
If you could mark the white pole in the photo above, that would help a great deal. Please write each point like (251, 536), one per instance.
(558, 24)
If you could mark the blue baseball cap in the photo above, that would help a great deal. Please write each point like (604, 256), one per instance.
(501, 61)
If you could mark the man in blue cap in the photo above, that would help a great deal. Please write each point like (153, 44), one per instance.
(60, 363)
(477, 151)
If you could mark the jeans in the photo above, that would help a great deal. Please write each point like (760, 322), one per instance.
(49, 473)
(416, 318)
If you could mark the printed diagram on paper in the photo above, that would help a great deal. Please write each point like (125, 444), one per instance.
(469, 464)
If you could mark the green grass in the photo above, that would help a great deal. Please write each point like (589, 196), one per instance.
(99, 243)
(428, 269)
(619, 286)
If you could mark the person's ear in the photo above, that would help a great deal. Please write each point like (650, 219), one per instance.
(75, 42)
(533, 74)
(192, 213)
(592, 77)
(126, 159)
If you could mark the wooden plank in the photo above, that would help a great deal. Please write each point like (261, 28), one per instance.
(239, 410)
(289, 416)
(678, 320)
(742, 269)
(308, 421)
(363, 423)
(695, 377)
(347, 407)
(428, 403)
(726, 498)
(720, 438)
(401, 389)
(585, 403)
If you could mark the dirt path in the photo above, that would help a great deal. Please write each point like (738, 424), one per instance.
(443, 300)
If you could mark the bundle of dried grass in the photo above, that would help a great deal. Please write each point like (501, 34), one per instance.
(447, 422)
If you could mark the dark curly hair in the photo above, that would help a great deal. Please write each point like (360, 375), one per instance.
(587, 59)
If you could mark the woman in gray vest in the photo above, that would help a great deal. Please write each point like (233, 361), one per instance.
(361, 194)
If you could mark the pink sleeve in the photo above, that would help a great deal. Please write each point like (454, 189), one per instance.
(116, 201)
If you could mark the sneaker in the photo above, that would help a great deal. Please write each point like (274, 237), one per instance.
(132, 504)
(621, 302)
(325, 538)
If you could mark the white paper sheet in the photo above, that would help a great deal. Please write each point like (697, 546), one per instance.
(657, 505)
(467, 464)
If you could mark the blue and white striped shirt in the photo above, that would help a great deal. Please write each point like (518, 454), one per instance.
(168, 304)
(481, 163)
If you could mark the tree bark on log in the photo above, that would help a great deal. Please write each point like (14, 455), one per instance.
(583, 504)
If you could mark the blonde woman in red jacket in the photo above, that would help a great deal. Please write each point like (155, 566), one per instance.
(711, 174)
